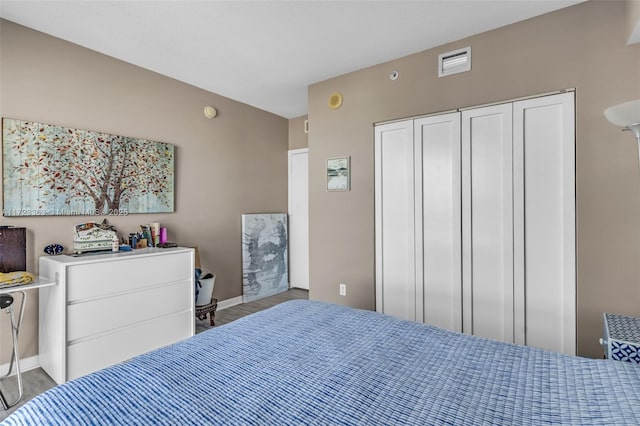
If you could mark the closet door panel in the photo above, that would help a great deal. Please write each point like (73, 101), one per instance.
(488, 222)
(438, 190)
(395, 251)
(544, 132)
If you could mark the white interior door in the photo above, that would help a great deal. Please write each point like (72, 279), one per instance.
(487, 222)
(438, 227)
(299, 218)
(395, 216)
(544, 138)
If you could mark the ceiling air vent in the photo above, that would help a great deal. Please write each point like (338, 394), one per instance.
(454, 62)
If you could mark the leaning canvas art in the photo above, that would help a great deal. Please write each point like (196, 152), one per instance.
(52, 170)
(264, 255)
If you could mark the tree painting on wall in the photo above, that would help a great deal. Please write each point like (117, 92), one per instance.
(54, 170)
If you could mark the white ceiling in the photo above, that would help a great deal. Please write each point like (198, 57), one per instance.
(266, 53)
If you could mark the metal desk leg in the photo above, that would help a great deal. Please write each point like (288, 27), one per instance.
(15, 355)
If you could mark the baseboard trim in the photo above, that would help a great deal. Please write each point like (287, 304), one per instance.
(229, 303)
(26, 364)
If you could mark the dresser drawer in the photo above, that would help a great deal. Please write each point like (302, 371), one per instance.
(104, 314)
(94, 354)
(99, 279)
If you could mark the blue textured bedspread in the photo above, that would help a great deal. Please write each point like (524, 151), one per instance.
(305, 362)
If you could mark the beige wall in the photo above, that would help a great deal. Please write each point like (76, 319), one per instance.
(583, 47)
(297, 136)
(233, 164)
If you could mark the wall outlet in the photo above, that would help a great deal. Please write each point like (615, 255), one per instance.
(343, 289)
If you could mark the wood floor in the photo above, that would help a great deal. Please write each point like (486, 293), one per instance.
(37, 381)
(233, 313)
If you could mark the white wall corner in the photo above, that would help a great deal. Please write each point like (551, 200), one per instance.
(26, 364)
(632, 11)
(224, 304)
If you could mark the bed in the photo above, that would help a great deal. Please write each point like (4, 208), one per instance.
(305, 362)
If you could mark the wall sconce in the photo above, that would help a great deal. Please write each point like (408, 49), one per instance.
(210, 112)
(627, 116)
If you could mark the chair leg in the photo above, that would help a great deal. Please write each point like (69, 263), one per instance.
(14, 356)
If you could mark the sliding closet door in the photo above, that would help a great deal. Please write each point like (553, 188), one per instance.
(487, 222)
(438, 192)
(395, 216)
(544, 141)
(475, 221)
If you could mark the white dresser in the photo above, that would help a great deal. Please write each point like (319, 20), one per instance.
(108, 308)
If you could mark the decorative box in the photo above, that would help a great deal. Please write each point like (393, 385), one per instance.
(621, 338)
(91, 236)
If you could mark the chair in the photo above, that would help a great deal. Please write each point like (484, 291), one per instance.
(210, 308)
(6, 304)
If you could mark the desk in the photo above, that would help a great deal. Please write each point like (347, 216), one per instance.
(15, 329)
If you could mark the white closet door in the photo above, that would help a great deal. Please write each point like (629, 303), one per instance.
(544, 136)
(487, 220)
(395, 215)
(299, 218)
(438, 228)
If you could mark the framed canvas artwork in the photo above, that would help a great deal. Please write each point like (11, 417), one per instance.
(52, 170)
(338, 174)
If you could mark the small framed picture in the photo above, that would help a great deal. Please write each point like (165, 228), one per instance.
(338, 174)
